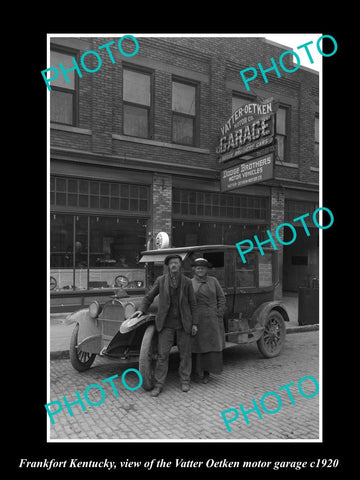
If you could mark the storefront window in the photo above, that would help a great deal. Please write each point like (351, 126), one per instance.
(112, 252)
(192, 203)
(116, 242)
(61, 241)
(213, 233)
(73, 192)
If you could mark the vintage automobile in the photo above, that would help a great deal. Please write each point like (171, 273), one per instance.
(252, 313)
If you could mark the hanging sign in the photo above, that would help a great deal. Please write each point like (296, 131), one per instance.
(247, 173)
(250, 127)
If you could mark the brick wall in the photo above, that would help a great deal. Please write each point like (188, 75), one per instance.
(277, 206)
(218, 61)
(161, 205)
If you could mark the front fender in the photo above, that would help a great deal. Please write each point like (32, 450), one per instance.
(133, 323)
(259, 316)
(88, 327)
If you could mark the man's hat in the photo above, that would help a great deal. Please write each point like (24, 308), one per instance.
(201, 262)
(169, 257)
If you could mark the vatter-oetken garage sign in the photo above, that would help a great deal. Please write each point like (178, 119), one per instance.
(250, 127)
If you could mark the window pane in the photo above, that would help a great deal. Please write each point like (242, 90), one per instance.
(281, 146)
(60, 185)
(83, 201)
(134, 191)
(94, 187)
(94, 202)
(183, 130)
(136, 87)
(104, 202)
(61, 107)
(72, 185)
(124, 191)
(115, 244)
(183, 98)
(281, 121)
(136, 121)
(143, 205)
(61, 241)
(115, 203)
(83, 186)
(67, 60)
(61, 199)
(104, 189)
(143, 192)
(72, 199)
(114, 190)
(124, 204)
(134, 205)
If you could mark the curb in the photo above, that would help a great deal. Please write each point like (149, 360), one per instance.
(64, 354)
(303, 328)
(60, 355)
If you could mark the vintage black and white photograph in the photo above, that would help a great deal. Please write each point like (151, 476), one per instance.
(185, 236)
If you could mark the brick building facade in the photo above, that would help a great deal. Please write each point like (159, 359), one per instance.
(133, 153)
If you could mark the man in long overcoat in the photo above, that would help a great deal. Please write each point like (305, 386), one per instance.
(176, 321)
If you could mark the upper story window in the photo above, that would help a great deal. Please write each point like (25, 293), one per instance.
(281, 132)
(316, 141)
(63, 96)
(238, 101)
(184, 113)
(137, 87)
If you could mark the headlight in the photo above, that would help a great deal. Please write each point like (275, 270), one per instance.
(129, 310)
(94, 309)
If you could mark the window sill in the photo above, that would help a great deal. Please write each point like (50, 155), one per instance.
(155, 143)
(70, 128)
(287, 164)
(314, 169)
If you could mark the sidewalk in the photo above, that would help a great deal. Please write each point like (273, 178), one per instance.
(60, 333)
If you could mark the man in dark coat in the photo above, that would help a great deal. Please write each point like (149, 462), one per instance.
(176, 320)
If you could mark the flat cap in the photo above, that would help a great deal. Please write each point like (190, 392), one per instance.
(169, 257)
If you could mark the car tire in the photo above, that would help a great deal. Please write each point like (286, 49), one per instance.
(147, 358)
(272, 340)
(81, 361)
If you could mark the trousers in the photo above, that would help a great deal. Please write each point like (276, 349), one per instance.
(166, 339)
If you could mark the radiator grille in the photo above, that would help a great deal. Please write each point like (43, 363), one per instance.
(111, 317)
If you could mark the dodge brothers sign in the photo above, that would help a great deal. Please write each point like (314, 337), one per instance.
(247, 173)
(249, 128)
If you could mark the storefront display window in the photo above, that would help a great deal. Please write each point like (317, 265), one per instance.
(88, 252)
(213, 233)
(94, 247)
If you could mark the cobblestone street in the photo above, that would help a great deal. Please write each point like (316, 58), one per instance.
(195, 415)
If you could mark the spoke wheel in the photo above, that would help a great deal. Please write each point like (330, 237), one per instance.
(273, 337)
(79, 359)
(148, 355)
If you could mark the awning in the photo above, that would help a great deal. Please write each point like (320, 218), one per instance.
(159, 257)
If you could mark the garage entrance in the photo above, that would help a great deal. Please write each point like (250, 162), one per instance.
(300, 259)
